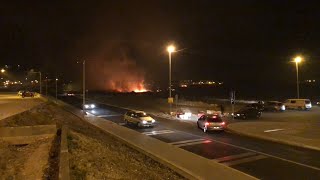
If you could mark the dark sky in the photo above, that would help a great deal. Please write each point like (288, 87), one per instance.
(244, 43)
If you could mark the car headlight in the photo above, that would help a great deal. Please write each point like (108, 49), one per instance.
(92, 106)
(153, 121)
(144, 122)
(86, 106)
(238, 114)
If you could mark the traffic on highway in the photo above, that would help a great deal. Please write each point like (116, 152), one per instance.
(256, 157)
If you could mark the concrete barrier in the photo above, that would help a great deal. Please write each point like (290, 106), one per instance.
(64, 171)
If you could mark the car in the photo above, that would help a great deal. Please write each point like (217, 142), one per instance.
(139, 118)
(274, 106)
(20, 93)
(211, 123)
(89, 106)
(300, 104)
(258, 106)
(247, 113)
(27, 94)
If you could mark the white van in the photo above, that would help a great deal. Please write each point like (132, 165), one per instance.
(301, 104)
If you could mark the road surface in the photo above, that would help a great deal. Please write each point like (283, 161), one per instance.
(259, 158)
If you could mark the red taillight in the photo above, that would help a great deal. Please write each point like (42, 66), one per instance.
(207, 124)
(223, 123)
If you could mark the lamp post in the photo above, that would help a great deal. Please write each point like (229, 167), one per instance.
(170, 50)
(83, 82)
(46, 86)
(57, 88)
(297, 60)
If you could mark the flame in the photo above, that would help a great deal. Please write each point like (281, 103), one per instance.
(140, 90)
(112, 69)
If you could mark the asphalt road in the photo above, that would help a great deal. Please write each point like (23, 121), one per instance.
(259, 158)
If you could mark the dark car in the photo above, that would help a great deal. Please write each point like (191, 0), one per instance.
(27, 94)
(211, 122)
(274, 106)
(248, 113)
(258, 106)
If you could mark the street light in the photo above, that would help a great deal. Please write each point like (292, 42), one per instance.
(297, 60)
(57, 88)
(83, 82)
(3, 70)
(46, 86)
(170, 50)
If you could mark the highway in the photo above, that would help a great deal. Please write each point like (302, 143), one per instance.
(259, 158)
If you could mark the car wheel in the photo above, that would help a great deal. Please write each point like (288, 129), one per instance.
(205, 129)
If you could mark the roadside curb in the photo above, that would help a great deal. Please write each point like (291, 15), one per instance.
(64, 170)
(273, 140)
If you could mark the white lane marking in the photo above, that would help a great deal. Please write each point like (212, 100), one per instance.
(152, 133)
(193, 143)
(273, 130)
(186, 141)
(244, 160)
(233, 157)
(258, 152)
(110, 115)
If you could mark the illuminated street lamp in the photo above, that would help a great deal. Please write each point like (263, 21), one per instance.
(3, 70)
(57, 88)
(297, 60)
(170, 50)
(83, 82)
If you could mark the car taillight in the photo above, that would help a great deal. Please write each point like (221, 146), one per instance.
(223, 123)
(207, 124)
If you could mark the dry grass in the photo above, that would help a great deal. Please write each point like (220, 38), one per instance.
(24, 161)
(109, 159)
(40, 115)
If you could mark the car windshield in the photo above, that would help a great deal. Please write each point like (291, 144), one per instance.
(308, 102)
(142, 114)
(214, 119)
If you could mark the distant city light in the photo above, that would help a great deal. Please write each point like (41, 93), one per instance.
(2, 70)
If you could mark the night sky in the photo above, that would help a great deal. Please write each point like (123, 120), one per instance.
(243, 43)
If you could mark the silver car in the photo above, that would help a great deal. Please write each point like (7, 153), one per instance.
(211, 122)
(139, 118)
